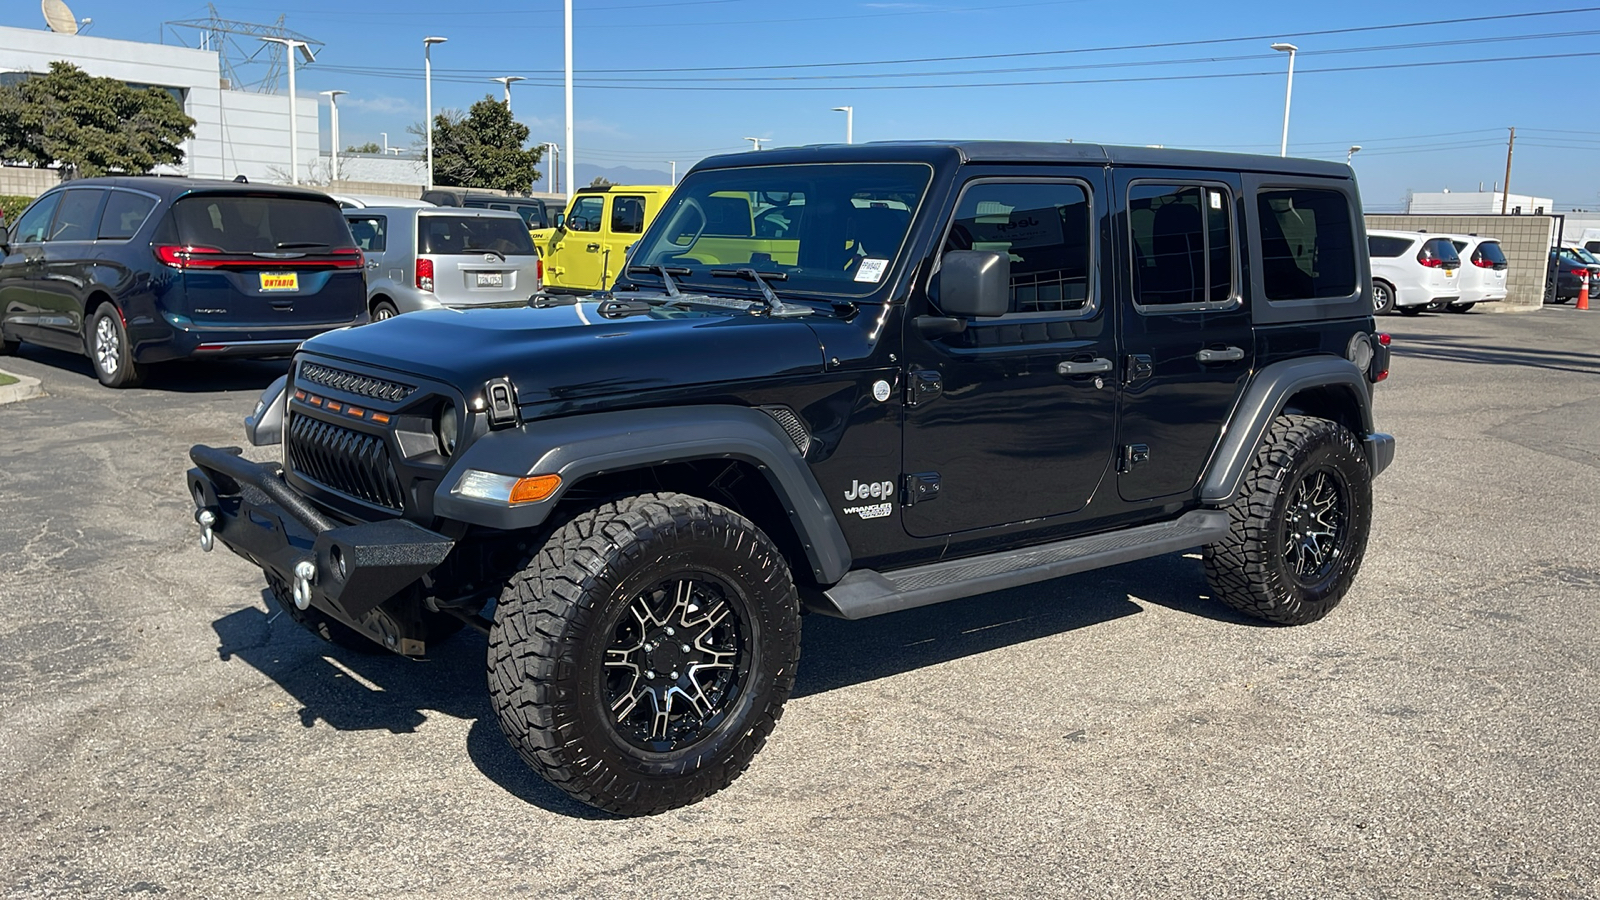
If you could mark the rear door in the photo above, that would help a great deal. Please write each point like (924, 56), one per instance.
(1187, 343)
(263, 260)
(478, 259)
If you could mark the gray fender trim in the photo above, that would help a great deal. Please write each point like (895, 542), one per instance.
(1269, 391)
(579, 446)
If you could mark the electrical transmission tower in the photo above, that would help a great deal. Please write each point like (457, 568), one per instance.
(248, 63)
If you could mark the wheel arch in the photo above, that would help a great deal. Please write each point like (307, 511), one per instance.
(715, 452)
(1329, 387)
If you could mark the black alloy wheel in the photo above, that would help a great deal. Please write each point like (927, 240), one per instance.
(1316, 527)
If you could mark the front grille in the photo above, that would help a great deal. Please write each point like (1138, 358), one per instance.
(343, 460)
(353, 383)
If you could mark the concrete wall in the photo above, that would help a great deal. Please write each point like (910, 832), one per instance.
(235, 132)
(376, 188)
(18, 181)
(1526, 241)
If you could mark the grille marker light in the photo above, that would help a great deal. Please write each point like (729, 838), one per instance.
(356, 411)
(380, 418)
(334, 406)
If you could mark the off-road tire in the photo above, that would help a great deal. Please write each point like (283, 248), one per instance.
(1251, 569)
(1382, 298)
(110, 354)
(549, 659)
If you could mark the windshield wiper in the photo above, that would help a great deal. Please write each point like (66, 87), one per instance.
(484, 250)
(775, 307)
(666, 273)
(303, 245)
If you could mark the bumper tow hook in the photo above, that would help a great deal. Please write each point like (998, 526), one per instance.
(207, 520)
(305, 574)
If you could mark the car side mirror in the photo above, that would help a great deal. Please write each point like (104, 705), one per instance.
(5, 237)
(561, 221)
(975, 283)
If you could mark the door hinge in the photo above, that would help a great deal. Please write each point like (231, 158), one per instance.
(1132, 455)
(920, 488)
(922, 386)
(1139, 367)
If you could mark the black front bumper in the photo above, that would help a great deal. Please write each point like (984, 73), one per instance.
(354, 568)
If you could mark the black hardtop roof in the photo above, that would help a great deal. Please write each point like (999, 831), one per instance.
(1019, 152)
(169, 187)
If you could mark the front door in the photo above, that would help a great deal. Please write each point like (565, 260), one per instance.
(1186, 338)
(23, 268)
(575, 251)
(1013, 418)
(68, 263)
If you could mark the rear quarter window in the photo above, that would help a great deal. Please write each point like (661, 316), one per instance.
(1489, 252)
(125, 213)
(1307, 244)
(1387, 247)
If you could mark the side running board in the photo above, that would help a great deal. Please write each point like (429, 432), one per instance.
(865, 593)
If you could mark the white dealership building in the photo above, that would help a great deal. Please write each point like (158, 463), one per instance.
(235, 132)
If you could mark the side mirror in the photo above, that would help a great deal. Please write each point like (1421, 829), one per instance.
(561, 221)
(5, 237)
(975, 283)
(264, 427)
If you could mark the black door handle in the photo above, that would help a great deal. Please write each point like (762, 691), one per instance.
(594, 248)
(1084, 367)
(1226, 354)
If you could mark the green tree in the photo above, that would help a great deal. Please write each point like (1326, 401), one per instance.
(601, 181)
(483, 149)
(90, 125)
(368, 147)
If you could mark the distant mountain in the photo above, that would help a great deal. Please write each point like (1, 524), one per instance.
(585, 173)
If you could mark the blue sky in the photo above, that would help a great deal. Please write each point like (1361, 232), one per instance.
(1422, 126)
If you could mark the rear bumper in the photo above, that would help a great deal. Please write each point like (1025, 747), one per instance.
(182, 339)
(352, 568)
(1380, 452)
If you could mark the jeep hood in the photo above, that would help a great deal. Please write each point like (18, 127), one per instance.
(573, 352)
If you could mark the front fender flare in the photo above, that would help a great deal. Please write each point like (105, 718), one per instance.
(580, 446)
(1263, 401)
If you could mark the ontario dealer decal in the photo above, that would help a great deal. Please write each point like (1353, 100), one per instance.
(874, 490)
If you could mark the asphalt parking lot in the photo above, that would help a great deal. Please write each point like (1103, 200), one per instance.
(1116, 734)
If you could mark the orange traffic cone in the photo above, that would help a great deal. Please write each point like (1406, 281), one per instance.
(1583, 294)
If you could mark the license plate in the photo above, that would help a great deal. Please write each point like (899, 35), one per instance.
(1449, 272)
(491, 279)
(280, 281)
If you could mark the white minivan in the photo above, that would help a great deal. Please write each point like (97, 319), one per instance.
(1483, 271)
(1413, 271)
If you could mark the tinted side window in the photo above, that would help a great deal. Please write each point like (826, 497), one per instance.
(35, 223)
(78, 216)
(1182, 237)
(1490, 252)
(371, 232)
(125, 212)
(1440, 249)
(586, 214)
(1307, 244)
(627, 215)
(1387, 247)
(1044, 228)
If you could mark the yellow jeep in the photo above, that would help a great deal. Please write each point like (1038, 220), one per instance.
(586, 249)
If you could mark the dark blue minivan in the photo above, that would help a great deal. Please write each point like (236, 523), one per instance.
(139, 270)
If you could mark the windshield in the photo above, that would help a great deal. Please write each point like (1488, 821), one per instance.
(444, 235)
(260, 224)
(831, 229)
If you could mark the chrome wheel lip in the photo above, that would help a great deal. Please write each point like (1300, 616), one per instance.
(676, 663)
(1316, 526)
(107, 346)
(383, 312)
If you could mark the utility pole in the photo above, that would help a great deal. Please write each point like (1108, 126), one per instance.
(568, 148)
(1505, 195)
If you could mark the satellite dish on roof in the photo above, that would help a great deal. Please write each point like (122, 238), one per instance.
(58, 17)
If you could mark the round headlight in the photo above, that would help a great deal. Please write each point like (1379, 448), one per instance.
(447, 428)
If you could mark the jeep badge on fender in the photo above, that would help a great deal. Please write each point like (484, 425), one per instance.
(1107, 354)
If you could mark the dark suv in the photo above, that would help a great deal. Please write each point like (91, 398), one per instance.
(535, 212)
(139, 270)
(962, 368)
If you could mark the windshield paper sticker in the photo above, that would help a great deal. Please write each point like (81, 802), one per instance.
(871, 270)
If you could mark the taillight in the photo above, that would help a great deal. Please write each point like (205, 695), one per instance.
(179, 257)
(425, 275)
(1432, 262)
(186, 257)
(1482, 263)
(540, 271)
(1383, 339)
(1581, 273)
(347, 258)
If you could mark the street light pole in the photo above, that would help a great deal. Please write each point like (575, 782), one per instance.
(1354, 149)
(289, 47)
(507, 80)
(674, 179)
(1288, 93)
(333, 117)
(550, 170)
(849, 122)
(427, 94)
(568, 148)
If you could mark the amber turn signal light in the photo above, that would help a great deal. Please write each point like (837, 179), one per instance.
(534, 488)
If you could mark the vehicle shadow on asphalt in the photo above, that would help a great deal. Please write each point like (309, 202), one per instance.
(1462, 349)
(182, 377)
(352, 690)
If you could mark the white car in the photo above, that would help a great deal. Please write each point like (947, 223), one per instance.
(1483, 271)
(1413, 271)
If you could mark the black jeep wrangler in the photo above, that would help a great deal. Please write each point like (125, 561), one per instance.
(845, 379)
